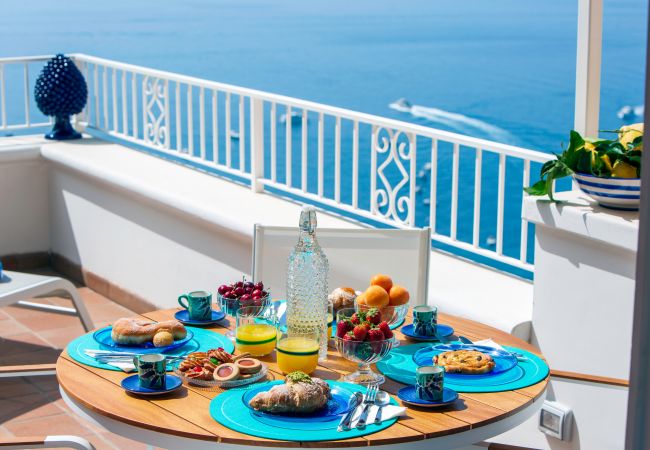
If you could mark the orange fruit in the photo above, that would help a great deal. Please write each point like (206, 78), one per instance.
(361, 299)
(398, 295)
(382, 280)
(376, 296)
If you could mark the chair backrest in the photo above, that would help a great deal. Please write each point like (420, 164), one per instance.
(354, 255)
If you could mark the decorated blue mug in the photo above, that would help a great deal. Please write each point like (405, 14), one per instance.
(425, 320)
(198, 305)
(151, 370)
(429, 383)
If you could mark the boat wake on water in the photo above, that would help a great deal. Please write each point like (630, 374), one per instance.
(455, 121)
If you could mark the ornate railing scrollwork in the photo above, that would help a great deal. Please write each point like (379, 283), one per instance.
(389, 200)
(155, 96)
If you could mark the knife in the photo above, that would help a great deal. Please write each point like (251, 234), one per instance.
(353, 404)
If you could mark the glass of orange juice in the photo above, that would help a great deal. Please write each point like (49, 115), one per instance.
(256, 331)
(298, 351)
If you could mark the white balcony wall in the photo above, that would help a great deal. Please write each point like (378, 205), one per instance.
(158, 229)
(24, 219)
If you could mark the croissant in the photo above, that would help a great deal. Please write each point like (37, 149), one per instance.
(138, 331)
(301, 397)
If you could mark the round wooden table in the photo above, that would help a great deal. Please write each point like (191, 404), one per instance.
(182, 419)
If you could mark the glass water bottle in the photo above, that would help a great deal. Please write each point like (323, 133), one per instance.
(307, 283)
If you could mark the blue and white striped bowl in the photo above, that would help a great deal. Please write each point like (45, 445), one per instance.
(614, 193)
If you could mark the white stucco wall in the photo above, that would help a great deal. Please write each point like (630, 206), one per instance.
(24, 219)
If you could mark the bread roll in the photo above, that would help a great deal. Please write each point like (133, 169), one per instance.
(128, 331)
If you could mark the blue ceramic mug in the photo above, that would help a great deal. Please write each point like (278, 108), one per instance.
(425, 320)
(198, 305)
(429, 383)
(151, 370)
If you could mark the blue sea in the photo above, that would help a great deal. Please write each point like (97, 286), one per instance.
(503, 70)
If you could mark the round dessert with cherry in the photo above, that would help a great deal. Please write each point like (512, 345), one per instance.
(217, 367)
(242, 293)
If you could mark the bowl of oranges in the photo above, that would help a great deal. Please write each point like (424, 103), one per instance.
(392, 300)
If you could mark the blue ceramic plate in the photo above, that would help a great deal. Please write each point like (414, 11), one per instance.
(334, 410)
(103, 337)
(183, 316)
(229, 410)
(407, 395)
(504, 360)
(443, 332)
(132, 384)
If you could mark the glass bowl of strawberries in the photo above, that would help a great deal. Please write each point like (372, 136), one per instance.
(363, 340)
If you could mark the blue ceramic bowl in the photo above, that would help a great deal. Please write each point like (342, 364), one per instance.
(614, 193)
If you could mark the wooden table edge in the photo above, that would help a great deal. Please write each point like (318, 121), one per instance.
(315, 444)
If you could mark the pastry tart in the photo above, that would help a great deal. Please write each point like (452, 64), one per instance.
(471, 362)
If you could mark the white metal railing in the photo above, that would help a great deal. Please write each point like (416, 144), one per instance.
(384, 171)
(17, 109)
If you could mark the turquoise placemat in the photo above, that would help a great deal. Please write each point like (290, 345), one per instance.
(229, 410)
(203, 340)
(399, 366)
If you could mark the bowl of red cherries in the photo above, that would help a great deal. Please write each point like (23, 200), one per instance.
(242, 293)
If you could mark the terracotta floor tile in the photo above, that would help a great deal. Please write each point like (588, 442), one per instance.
(109, 311)
(48, 385)
(41, 320)
(60, 337)
(10, 409)
(91, 297)
(38, 405)
(63, 424)
(21, 343)
(34, 406)
(45, 356)
(13, 387)
(10, 327)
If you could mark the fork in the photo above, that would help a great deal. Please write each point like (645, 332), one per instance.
(368, 401)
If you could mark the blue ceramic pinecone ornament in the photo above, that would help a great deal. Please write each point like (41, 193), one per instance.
(61, 91)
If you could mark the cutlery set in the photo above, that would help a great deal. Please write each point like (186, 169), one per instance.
(372, 397)
(107, 356)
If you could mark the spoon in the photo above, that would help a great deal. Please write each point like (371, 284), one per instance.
(382, 400)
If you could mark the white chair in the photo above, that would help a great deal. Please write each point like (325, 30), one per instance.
(354, 256)
(19, 443)
(16, 287)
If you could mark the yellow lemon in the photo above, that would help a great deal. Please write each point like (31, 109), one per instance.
(629, 133)
(623, 170)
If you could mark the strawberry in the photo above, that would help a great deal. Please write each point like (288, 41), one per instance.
(385, 329)
(343, 327)
(355, 319)
(373, 316)
(375, 335)
(360, 332)
(349, 336)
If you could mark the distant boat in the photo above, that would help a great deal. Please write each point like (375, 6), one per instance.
(234, 135)
(491, 241)
(401, 105)
(296, 118)
(629, 113)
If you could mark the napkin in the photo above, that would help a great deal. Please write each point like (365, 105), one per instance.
(123, 366)
(490, 343)
(387, 412)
